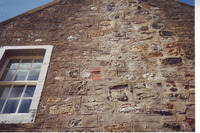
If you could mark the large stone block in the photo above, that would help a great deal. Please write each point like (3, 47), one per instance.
(172, 74)
(105, 120)
(155, 54)
(98, 90)
(159, 110)
(53, 99)
(140, 47)
(173, 126)
(70, 106)
(147, 95)
(191, 122)
(166, 33)
(81, 121)
(78, 87)
(172, 61)
(106, 25)
(153, 126)
(177, 96)
(53, 121)
(97, 107)
(50, 89)
(120, 92)
(131, 107)
(64, 109)
(74, 73)
(142, 12)
(137, 66)
(95, 98)
(122, 127)
(139, 20)
(96, 33)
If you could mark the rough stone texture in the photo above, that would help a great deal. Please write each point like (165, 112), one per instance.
(117, 65)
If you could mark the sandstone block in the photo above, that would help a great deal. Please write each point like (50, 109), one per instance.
(121, 92)
(177, 96)
(73, 37)
(143, 12)
(140, 48)
(172, 74)
(64, 109)
(173, 126)
(111, 73)
(191, 122)
(123, 127)
(82, 121)
(166, 33)
(130, 107)
(171, 61)
(153, 126)
(156, 25)
(137, 66)
(117, 63)
(78, 87)
(170, 83)
(144, 28)
(147, 95)
(96, 33)
(155, 54)
(97, 108)
(95, 98)
(139, 20)
(174, 89)
(53, 99)
(175, 51)
(159, 110)
(74, 73)
(190, 76)
(106, 25)
(118, 118)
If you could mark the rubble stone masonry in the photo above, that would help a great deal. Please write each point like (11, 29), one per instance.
(116, 66)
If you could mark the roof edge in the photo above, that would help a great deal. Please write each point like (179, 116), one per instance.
(31, 11)
(42, 7)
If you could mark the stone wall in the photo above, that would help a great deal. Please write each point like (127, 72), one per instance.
(117, 65)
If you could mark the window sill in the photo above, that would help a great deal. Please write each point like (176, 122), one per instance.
(17, 118)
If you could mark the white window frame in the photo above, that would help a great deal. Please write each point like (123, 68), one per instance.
(14, 118)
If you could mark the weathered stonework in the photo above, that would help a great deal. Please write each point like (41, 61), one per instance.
(116, 66)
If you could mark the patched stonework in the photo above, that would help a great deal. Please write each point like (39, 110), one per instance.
(116, 65)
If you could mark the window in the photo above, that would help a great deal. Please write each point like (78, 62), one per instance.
(22, 75)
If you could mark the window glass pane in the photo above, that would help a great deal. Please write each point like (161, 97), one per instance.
(13, 63)
(26, 63)
(25, 105)
(29, 91)
(34, 74)
(16, 91)
(37, 63)
(21, 75)
(4, 90)
(8, 75)
(11, 106)
(1, 103)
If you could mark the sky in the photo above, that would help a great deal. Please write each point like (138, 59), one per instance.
(190, 2)
(12, 8)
